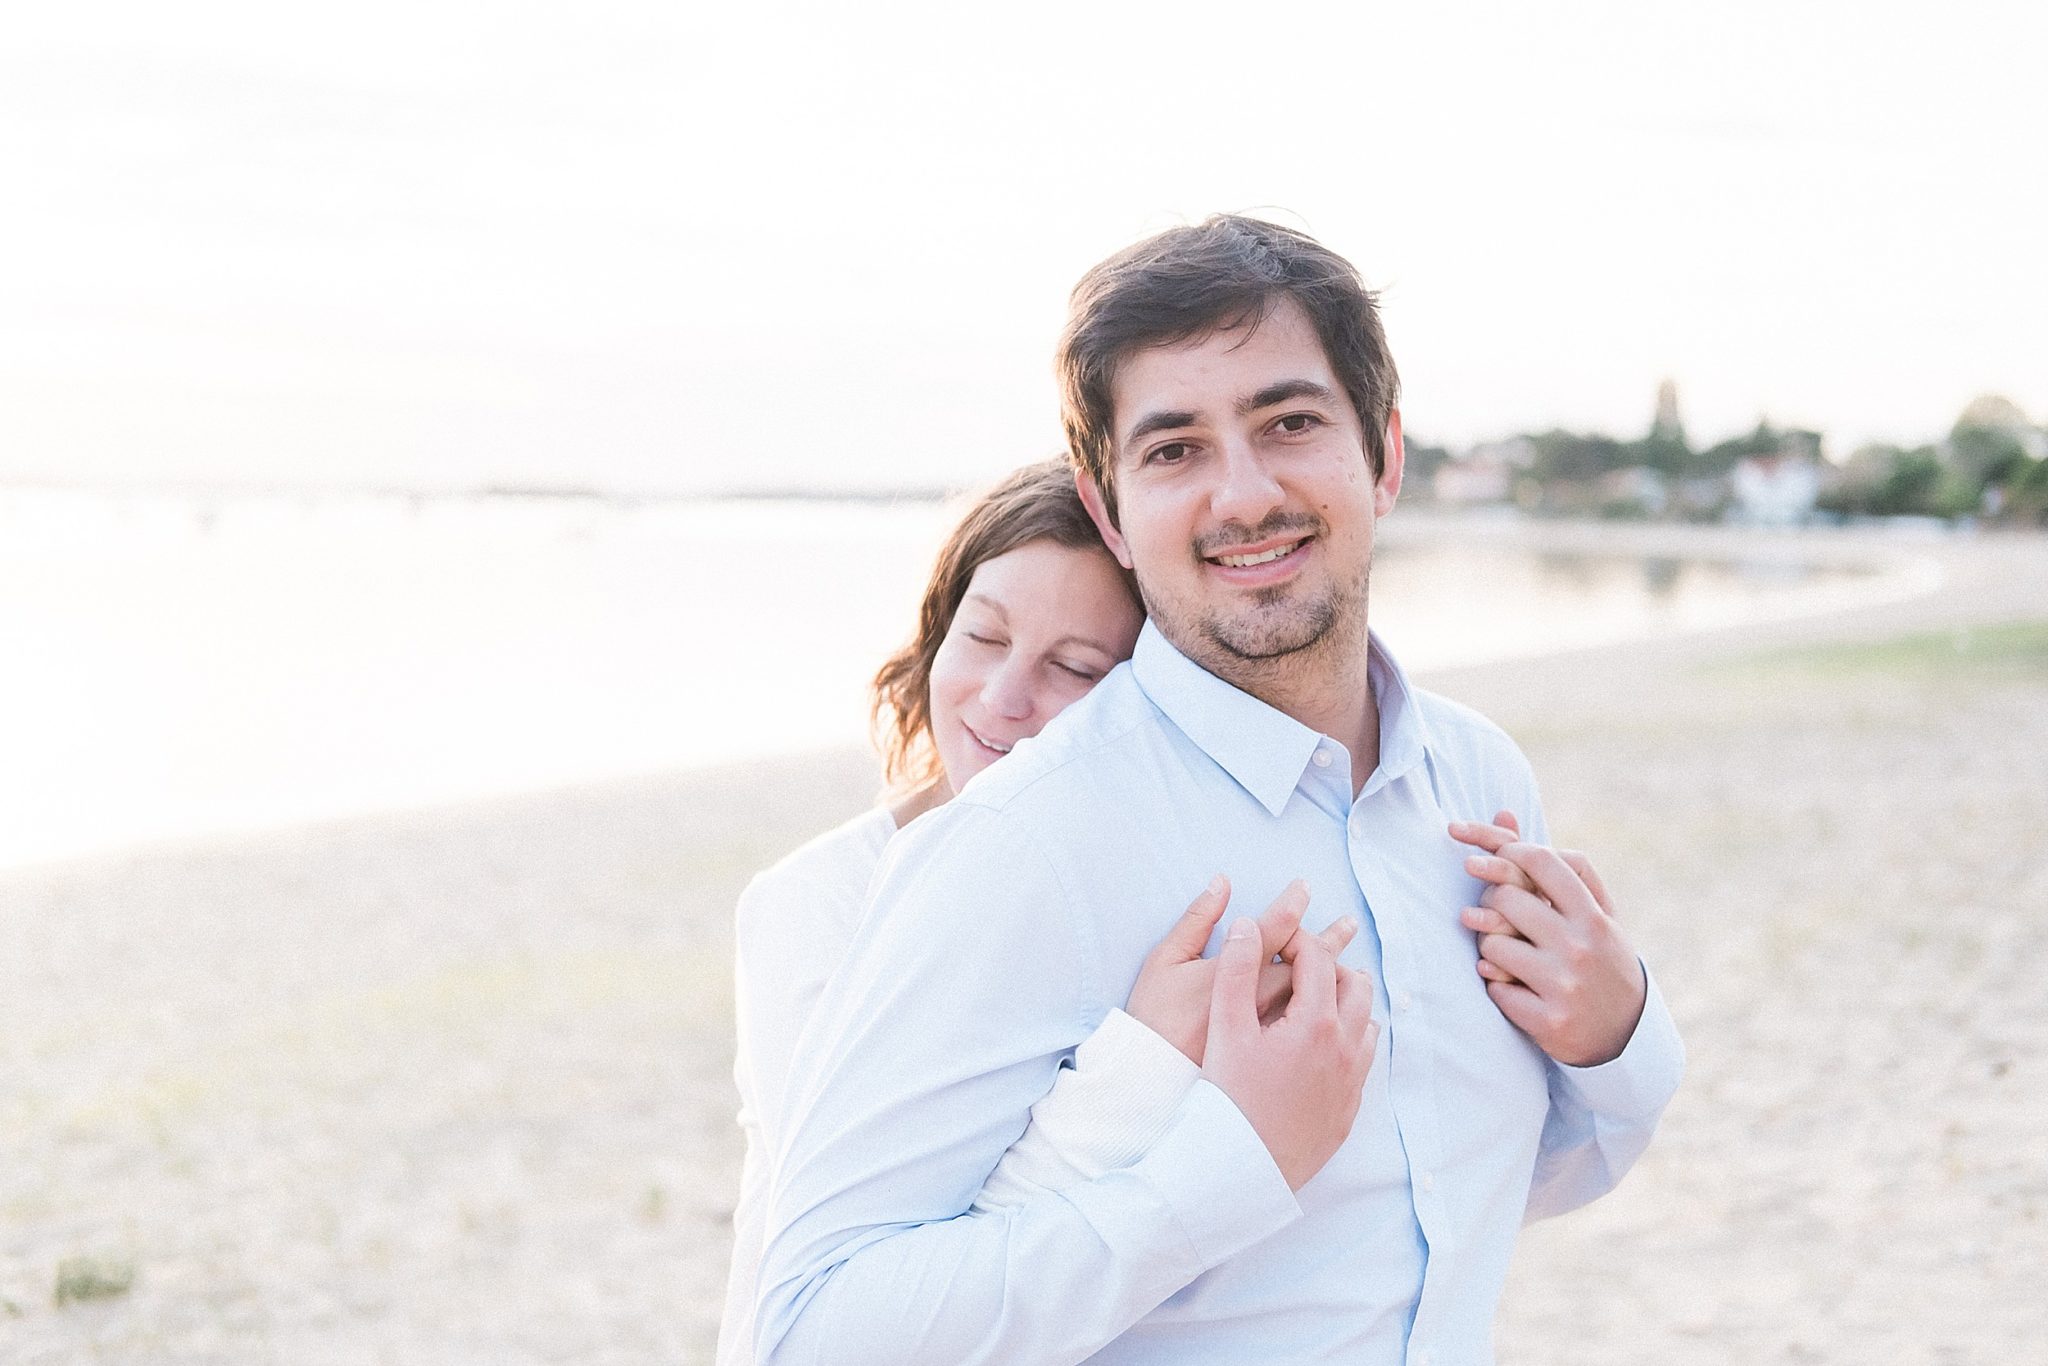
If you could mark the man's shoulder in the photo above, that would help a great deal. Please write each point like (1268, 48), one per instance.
(1045, 775)
(1464, 735)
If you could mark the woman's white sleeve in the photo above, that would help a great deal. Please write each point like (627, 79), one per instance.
(1105, 1111)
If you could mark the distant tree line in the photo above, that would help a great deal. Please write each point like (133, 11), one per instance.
(1979, 471)
(1995, 470)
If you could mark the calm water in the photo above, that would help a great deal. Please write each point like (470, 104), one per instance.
(186, 665)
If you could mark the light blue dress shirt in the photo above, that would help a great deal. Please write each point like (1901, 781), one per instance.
(1001, 929)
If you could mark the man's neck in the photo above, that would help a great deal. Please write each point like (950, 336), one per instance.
(1328, 689)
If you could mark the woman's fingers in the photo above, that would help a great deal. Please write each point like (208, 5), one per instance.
(1589, 875)
(1489, 838)
(1534, 918)
(1505, 830)
(1339, 933)
(1485, 920)
(1276, 980)
(1277, 925)
(1355, 1024)
(1275, 985)
(1314, 981)
(1506, 958)
(1556, 881)
(1500, 870)
(1493, 972)
(1190, 934)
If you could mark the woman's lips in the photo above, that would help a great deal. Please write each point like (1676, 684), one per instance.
(992, 747)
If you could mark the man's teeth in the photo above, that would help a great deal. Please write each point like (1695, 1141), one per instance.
(1246, 561)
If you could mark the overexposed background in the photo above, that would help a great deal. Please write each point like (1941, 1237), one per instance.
(644, 246)
(383, 742)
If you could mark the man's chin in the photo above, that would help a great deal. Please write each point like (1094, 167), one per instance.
(1254, 640)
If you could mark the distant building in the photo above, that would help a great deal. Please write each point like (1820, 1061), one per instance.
(1778, 488)
(1473, 479)
(1666, 425)
(1516, 452)
(1700, 497)
(1633, 490)
(1486, 473)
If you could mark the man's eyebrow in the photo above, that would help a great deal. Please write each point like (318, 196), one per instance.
(1280, 391)
(1284, 391)
(1163, 421)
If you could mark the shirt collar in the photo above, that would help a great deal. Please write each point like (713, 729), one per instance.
(1404, 731)
(1264, 749)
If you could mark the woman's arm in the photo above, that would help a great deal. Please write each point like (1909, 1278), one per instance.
(1129, 1077)
(790, 933)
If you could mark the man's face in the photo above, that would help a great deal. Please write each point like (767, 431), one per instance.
(1245, 494)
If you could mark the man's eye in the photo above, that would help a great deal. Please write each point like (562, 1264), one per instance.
(1172, 453)
(1299, 422)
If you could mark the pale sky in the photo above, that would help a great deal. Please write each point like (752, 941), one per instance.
(641, 246)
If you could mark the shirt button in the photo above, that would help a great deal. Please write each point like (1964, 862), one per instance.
(1402, 1000)
(1422, 1357)
(1428, 1184)
(1322, 758)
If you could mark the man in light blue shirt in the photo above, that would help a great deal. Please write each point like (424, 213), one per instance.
(1346, 1180)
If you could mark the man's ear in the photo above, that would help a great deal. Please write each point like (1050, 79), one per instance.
(1393, 460)
(1098, 513)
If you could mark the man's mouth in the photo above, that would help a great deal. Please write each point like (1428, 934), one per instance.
(984, 741)
(1246, 561)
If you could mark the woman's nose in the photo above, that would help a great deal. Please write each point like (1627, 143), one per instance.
(1008, 692)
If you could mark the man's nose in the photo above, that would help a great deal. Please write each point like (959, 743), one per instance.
(1247, 490)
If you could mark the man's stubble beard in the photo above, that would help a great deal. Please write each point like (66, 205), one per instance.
(1255, 654)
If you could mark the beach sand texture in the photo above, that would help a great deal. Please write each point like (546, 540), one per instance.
(454, 1086)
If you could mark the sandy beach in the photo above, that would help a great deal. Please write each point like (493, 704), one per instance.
(453, 1086)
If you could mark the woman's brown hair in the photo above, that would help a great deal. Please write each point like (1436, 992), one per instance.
(1034, 503)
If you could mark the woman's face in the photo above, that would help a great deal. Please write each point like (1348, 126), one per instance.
(1039, 627)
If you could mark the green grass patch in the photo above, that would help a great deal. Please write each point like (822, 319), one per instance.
(2013, 649)
(92, 1278)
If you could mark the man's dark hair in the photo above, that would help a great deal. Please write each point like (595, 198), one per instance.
(1187, 282)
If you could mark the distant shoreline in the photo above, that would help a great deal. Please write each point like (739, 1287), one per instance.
(1900, 569)
(922, 495)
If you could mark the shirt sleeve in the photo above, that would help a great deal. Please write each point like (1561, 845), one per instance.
(790, 931)
(967, 986)
(1602, 1117)
(1118, 1098)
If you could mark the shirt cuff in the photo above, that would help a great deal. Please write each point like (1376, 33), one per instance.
(1124, 1089)
(1211, 1169)
(1642, 1080)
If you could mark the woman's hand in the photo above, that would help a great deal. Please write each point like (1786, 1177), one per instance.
(1555, 961)
(1171, 995)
